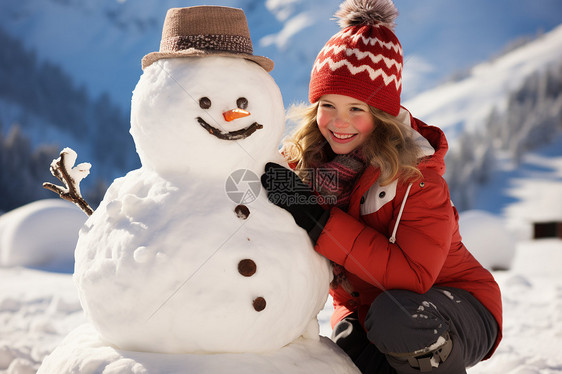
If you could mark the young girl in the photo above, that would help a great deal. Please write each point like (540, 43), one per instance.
(408, 296)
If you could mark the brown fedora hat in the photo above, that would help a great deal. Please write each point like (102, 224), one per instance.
(204, 31)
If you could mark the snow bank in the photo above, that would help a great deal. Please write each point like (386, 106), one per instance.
(37, 309)
(41, 234)
(532, 300)
(486, 237)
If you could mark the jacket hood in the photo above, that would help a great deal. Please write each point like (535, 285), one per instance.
(431, 139)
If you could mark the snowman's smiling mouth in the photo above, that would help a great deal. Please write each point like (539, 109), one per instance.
(231, 135)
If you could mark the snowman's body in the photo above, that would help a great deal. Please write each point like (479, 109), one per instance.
(170, 262)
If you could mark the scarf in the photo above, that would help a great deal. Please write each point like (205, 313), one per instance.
(334, 180)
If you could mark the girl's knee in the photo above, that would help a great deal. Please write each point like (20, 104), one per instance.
(401, 311)
(403, 321)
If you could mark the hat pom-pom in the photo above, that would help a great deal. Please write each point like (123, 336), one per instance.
(367, 12)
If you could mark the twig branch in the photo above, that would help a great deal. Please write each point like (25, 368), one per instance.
(63, 168)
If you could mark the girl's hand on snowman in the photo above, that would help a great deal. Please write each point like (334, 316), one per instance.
(286, 190)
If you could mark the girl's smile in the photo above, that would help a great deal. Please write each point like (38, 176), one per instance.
(342, 138)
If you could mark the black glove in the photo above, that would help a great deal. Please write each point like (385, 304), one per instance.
(286, 190)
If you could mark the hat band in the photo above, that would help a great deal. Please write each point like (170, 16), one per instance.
(211, 43)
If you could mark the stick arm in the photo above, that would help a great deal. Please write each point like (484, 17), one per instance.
(63, 169)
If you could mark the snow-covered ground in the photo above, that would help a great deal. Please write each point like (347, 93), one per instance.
(38, 308)
(532, 300)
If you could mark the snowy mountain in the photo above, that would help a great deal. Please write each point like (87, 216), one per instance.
(465, 105)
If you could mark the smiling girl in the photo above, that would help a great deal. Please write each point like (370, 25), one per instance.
(408, 295)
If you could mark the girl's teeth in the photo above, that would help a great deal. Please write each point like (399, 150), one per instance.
(343, 136)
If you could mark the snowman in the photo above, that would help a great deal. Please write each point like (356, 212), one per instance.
(186, 255)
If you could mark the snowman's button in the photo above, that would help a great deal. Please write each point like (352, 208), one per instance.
(259, 304)
(242, 211)
(247, 267)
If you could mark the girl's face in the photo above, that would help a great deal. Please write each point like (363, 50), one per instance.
(344, 121)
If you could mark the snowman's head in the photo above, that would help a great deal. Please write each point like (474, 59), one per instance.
(206, 114)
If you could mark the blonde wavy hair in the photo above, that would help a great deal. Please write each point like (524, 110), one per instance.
(390, 146)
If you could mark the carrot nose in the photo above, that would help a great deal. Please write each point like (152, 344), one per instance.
(233, 114)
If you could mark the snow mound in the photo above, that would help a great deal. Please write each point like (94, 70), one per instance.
(486, 237)
(42, 234)
(82, 351)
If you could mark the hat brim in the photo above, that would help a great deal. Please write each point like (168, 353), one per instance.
(150, 58)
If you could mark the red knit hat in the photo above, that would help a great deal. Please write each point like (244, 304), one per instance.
(364, 59)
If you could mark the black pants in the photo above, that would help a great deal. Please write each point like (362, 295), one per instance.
(402, 321)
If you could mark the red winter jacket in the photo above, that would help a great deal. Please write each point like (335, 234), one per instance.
(382, 249)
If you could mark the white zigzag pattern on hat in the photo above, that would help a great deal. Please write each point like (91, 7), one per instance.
(389, 62)
(373, 74)
(372, 41)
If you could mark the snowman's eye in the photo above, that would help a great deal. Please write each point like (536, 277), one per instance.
(242, 103)
(205, 103)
